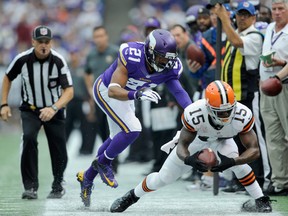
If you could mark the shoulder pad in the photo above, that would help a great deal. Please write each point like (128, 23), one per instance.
(131, 53)
(243, 119)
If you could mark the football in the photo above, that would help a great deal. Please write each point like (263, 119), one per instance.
(271, 86)
(208, 156)
(194, 53)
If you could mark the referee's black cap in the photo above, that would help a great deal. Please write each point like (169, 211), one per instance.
(42, 32)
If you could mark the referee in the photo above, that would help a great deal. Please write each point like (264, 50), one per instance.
(46, 89)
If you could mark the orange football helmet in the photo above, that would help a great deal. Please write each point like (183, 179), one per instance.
(220, 102)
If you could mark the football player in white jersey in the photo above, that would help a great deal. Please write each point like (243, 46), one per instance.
(209, 123)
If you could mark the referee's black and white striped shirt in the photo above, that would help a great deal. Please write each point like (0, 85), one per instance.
(42, 80)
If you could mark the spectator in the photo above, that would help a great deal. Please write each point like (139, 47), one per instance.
(46, 89)
(98, 60)
(140, 67)
(151, 24)
(78, 107)
(198, 21)
(264, 17)
(264, 14)
(183, 40)
(207, 72)
(274, 109)
(241, 70)
(203, 19)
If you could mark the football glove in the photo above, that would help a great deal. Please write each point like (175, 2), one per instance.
(147, 94)
(226, 163)
(193, 161)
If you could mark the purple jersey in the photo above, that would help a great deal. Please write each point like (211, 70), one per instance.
(132, 57)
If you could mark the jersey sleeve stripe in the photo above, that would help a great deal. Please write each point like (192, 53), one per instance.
(186, 125)
(122, 58)
(248, 126)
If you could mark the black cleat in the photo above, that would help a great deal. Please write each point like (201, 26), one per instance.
(275, 191)
(29, 194)
(122, 203)
(56, 194)
(261, 204)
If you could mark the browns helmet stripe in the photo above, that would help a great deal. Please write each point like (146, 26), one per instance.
(222, 92)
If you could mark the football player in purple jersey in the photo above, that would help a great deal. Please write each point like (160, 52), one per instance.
(138, 68)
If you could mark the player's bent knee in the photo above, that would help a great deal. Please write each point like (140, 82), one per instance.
(241, 170)
(167, 177)
(154, 181)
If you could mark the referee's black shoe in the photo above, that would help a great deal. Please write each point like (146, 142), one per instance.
(56, 193)
(122, 203)
(29, 194)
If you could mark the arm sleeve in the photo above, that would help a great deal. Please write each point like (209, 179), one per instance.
(14, 69)
(65, 77)
(179, 93)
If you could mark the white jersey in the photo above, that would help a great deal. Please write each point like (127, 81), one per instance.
(196, 119)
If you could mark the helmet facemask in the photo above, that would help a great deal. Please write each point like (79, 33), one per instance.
(222, 115)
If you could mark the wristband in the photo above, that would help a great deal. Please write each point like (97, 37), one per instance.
(285, 64)
(3, 105)
(131, 95)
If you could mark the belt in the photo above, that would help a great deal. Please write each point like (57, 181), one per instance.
(29, 107)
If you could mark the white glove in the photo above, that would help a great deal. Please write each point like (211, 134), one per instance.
(148, 94)
(171, 144)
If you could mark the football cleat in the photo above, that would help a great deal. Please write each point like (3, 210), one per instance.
(29, 194)
(86, 188)
(106, 173)
(261, 204)
(122, 203)
(56, 194)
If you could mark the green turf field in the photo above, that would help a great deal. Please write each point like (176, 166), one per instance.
(171, 200)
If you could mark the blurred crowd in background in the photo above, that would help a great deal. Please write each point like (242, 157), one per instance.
(72, 21)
